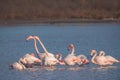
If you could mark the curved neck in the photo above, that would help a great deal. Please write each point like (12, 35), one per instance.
(43, 46)
(93, 58)
(101, 53)
(21, 64)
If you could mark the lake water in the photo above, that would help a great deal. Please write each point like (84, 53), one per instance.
(56, 38)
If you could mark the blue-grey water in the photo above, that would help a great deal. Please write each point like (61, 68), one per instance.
(56, 38)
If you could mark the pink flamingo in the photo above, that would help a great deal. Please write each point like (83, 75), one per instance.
(18, 65)
(40, 55)
(99, 60)
(108, 57)
(49, 58)
(83, 59)
(31, 59)
(71, 59)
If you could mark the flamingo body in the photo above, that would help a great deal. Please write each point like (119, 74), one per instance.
(18, 66)
(99, 60)
(31, 59)
(108, 57)
(71, 59)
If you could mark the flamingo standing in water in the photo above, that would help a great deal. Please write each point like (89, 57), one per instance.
(71, 59)
(108, 57)
(49, 58)
(40, 55)
(99, 60)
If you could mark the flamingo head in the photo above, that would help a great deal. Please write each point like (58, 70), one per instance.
(101, 53)
(29, 38)
(11, 66)
(22, 60)
(70, 46)
(93, 52)
(58, 56)
(36, 37)
(85, 61)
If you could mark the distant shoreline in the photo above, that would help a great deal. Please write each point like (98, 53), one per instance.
(57, 21)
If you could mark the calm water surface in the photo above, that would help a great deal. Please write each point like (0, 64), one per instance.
(56, 37)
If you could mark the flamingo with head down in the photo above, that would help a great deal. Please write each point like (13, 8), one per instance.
(49, 58)
(31, 59)
(99, 60)
(27, 61)
(83, 59)
(18, 65)
(108, 57)
(71, 59)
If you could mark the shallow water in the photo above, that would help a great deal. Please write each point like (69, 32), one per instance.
(56, 37)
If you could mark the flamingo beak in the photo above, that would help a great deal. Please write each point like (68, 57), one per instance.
(61, 62)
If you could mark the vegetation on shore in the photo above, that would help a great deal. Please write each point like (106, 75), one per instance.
(59, 9)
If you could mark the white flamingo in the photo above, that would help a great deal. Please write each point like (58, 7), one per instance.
(30, 59)
(71, 59)
(108, 57)
(40, 55)
(43, 55)
(99, 60)
(18, 65)
(50, 59)
(83, 59)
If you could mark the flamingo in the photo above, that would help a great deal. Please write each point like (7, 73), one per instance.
(83, 59)
(108, 57)
(99, 60)
(30, 59)
(71, 59)
(40, 55)
(49, 58)
(59, 57)
(18, 65)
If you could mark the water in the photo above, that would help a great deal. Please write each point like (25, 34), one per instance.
(56, 37)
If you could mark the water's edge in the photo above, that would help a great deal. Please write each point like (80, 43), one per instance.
(56, 21)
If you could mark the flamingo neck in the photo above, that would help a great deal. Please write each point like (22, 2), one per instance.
(73, 50)
(93, 58)
(23, 66)
(43, 46)
(102, 54)
(36, 48)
